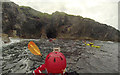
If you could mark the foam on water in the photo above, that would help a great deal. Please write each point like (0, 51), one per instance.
(12, 40)
(15, 40)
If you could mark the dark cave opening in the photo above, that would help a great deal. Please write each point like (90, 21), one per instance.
(51, 33)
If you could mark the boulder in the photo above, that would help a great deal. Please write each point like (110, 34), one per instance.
(5, 38)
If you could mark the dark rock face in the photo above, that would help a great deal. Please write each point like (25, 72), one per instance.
(29, 23)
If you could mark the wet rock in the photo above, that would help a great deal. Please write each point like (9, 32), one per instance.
(5, 38)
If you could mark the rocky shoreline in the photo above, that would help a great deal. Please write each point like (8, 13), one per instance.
(80, 58)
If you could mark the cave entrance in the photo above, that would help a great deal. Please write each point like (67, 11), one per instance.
(51, 33)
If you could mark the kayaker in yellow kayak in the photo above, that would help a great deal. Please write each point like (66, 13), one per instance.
(91, 44)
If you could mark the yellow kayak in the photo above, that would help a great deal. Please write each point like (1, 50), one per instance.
(95, 46)
(91, 44)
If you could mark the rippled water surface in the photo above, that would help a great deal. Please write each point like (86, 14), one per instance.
(80, 58)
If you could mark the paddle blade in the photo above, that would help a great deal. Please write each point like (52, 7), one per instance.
(34, 48)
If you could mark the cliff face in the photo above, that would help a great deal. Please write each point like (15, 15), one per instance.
(29, 23)
(12, 18)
